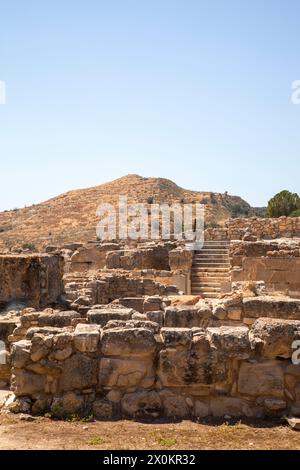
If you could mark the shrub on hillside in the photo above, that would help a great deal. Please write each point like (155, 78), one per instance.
(283, 203)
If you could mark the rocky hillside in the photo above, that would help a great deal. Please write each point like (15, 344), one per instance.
(72, 216)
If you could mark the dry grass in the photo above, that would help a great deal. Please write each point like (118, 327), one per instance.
(128, 435)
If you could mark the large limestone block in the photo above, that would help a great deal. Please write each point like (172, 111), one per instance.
(261, 379)
(79, 372)
(20, 353)
(126, 373)
(175, 406)
(186, 317)
(103, 409)
(102, 316)
(177, 337)
(142, 405)
(58, 319)
(72, 403)
(181, 259)
(27, 383)
(273, 337)
(126, 342)
(86, 337)
(273, 307)
(230, 341)
(232, 406)
(135, 303)
(193, 365)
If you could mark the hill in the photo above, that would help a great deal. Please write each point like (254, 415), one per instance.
(72, 216)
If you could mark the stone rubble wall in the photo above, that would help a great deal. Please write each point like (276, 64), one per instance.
(34, 280)
(95, 256)
(275, 263)
(103, 288)
(262, 228)
(139, 370)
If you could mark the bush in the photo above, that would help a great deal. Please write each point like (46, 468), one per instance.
(29, 246)
(295, 213)
(283, 203)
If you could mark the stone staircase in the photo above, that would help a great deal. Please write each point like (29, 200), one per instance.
(211, 267)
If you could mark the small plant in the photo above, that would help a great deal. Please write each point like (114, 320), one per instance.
(82, 419)
(29, 246)
(96, 441)
(167, 442)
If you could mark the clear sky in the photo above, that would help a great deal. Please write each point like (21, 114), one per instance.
(195, 91)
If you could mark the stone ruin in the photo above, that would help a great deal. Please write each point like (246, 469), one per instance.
(113, 331)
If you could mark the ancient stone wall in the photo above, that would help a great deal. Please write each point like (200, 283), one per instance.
(238, 229)
(33, 280)
(95, 256)
(138, 370)
(277, 263)
(91, 256)
(146, 258)
(103, 288)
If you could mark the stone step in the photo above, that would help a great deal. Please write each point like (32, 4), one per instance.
(209, 295)
(204, 275)
(206, 254)
(205, 284)
(208, 289)
(210, 265)
(210, 270)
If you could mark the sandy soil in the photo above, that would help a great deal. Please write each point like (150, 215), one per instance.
(43, 433)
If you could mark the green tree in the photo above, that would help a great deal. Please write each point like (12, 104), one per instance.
(283, 203)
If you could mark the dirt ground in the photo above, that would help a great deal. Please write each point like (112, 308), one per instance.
(43, 433)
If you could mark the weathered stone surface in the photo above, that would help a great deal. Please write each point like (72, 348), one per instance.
(181, 259)
(86, 337)
(273, 337)
(79, 372)
(34, 278)
(152, 303)
(103, 409)
(101, 317)
(44, 331)
(135, 303)
(72, 403)
(142, 405)
(156, 316)
(132, 341)
(148, 325)
(232, 406)
(177, 337)
(126, 373)
(45, 367)
(27, 383)
(230, 341)
(261, 378)
(273, 307)
(274, 404)
(20, 353)
(201, 409)
(186, 317)
(40, 347)
(175, 406)
(59, 319)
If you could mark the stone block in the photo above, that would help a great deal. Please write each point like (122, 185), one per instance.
(126, 342)
(262, 379)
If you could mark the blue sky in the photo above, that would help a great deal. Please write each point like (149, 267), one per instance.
(195, 91)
